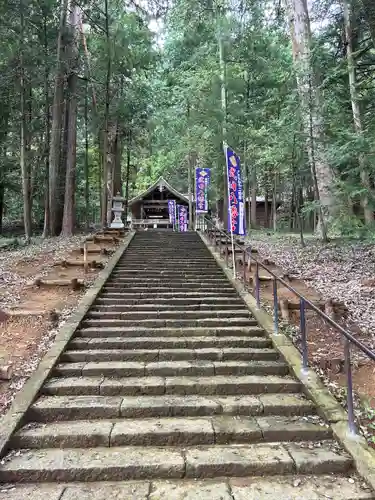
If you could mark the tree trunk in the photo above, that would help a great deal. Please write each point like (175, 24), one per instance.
(2, 193)
(191, 168)
(111, 160)
(254, 222)
(117, 178)
(57, 122)
(47, 134)
(369, 10)
(266, 210)
(24, 160)
(106, 123)
(223, 86)
(127, 177)
(87, 181)
(70, 184)
(274, 205)
(357, 118)
(311, 105)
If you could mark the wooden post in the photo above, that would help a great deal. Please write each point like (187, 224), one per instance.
(85, 262)
(284, 309)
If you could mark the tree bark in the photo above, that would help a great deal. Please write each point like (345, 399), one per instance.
(253, 183)
(311, 105)
(25, 168)
(357, 118)
(117, 178)
(106, 123)
(69, 200)
(369, 10)
(128, 151)
(2, 193)
(47, 133)
(57, 123)
(266, 209)
(87, 180)
(223, 86)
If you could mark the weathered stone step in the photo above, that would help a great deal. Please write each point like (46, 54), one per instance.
(156, 306)
(166, 314)
(81, 407)
(128, 332)
(169, 343)
(121, 463)
(196, 282)
(213, 354)
(274, 388)
(170, 431)
(171, 368)
(169, 268)
(118, 293)
(170, 323)
(198, 288)
(169, 272)
(287, 487)
(190, 302)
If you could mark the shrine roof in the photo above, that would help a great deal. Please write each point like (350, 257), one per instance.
(161, 182)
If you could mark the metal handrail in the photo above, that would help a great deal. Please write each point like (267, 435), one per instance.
(304, 302)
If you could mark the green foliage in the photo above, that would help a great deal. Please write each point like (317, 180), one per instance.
(167, 99)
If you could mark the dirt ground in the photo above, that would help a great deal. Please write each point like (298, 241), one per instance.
(30, 330)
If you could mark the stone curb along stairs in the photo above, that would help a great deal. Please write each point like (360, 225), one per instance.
(169, 389)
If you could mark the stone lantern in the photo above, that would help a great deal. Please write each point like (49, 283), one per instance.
(117, 210)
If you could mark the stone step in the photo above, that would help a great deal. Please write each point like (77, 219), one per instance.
(155, 306)
(189, 302)
(169, 267)
(213, 332)
(196, 282)
(81, 407)
(274, 388)
(127, 462)
(104, 314)
(148, 355)
(171, 368)
(175, 272)
(169, 343)
(170, 431)
(116, 293)
(198, 288)
(169, 323)
(287, 487)
(201, 289)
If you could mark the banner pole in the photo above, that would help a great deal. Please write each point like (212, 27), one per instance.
(230, 212)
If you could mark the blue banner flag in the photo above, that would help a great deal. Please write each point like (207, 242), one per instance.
(172, 211)
(236, 204)
(202, 181)
(182, 218)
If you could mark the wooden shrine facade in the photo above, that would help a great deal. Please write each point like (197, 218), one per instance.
(150, 208)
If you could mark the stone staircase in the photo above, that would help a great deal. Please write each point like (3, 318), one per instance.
(170, 390)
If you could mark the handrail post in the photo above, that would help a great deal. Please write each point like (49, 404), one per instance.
(226, 250)
(244, 266)
(302, 309)
(257, 284)
(275, 306)
(349, 382)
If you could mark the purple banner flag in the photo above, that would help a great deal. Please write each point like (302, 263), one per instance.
(202, 181)
(182, 218)
(236, 205)
(172, 211)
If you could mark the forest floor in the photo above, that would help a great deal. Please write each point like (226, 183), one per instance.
(342, 270)
(28, 333)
